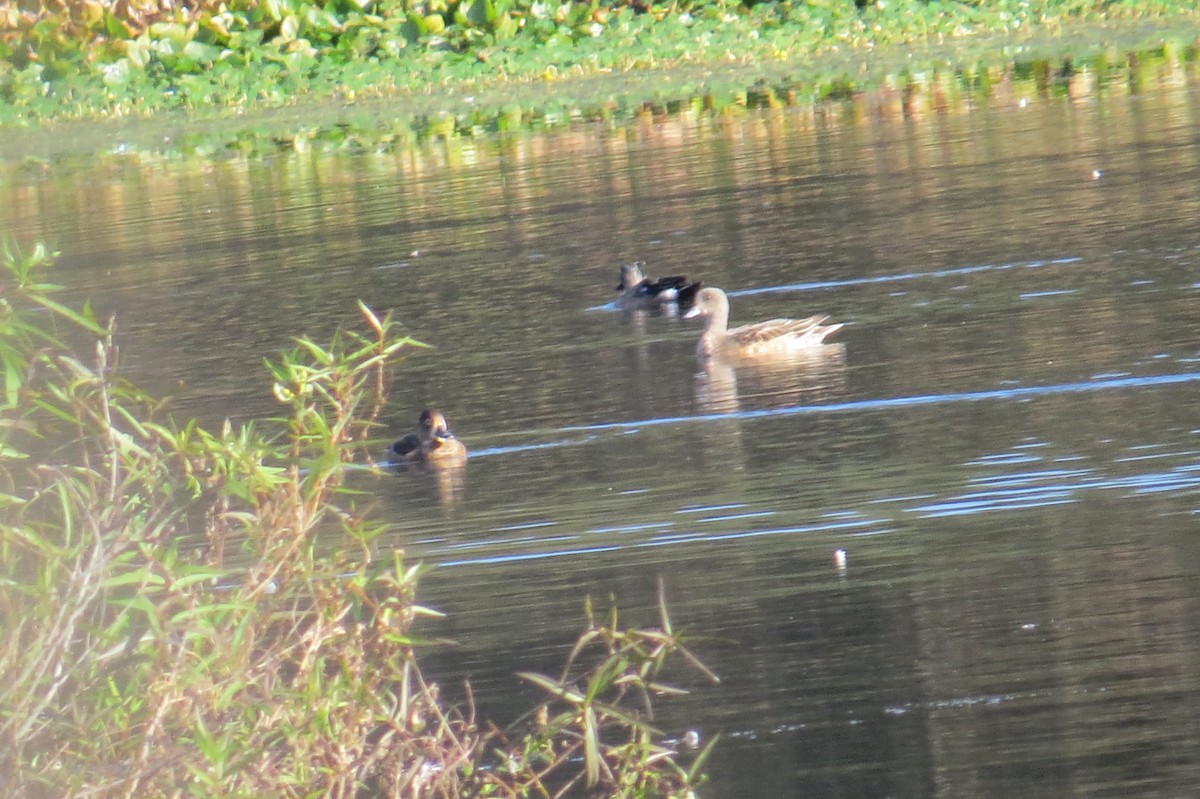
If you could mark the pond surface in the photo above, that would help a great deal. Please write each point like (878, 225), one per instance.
(1006, 446)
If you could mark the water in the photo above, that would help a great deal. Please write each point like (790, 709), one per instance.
(1007, 446)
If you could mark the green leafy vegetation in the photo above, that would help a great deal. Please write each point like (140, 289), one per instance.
(196, 613)
(103, 57)
(451, 124)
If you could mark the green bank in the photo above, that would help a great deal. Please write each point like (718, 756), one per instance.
(257, 75)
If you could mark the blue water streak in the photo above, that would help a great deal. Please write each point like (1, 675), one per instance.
(1017, 393)
(880, 279)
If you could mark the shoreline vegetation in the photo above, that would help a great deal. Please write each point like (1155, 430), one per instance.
(363, 76)
(200, 613)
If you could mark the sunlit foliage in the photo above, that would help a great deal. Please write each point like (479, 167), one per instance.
(65, 58)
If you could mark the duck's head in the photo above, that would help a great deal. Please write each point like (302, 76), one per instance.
(631, 275)
(709, 302)
(433, 426)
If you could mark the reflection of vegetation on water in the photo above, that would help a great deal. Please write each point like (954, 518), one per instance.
(666, 106)
(278, 658)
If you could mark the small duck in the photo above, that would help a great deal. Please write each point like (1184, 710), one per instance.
(432, 442)
(775, 338)
(641, 292)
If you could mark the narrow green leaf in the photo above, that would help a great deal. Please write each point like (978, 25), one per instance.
(371, 318)
(551, 686)
(591, 747)
(605, 675)
(323, 356)
(695, 661)
(12, 383)
(87, 324)
(667, 690)
(694, 771)
(138, 577)
(628, 719)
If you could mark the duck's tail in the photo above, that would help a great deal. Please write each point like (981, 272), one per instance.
(823, 331)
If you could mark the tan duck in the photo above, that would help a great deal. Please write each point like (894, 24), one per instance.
(773, 339)
(432, 442)
(639, 292)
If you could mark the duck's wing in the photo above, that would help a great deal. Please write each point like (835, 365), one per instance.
(687, 295)
(636, 297)
(407, 447)
(665, 289)
(650, 293)
(669, 283)
(784, 332)
(814, 327)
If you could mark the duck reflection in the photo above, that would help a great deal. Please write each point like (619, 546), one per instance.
(724, 390)
(717, 388)
(447, 481)
(450, 482)
(805, 377)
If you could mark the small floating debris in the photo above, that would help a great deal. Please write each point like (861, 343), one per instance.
(839, 561)
(689, 741)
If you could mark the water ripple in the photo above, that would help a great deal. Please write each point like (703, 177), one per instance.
(1020, 392)
(878, 279)
(535, 549)
(1059, 486)
(1019, 489)
(519, 556)
(1022, 477)
(483, 453)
